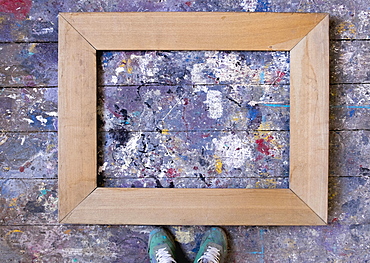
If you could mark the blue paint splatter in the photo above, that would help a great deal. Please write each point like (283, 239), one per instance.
(37, 116)
(253, 112)
(351, 113)
(277, 105)
(358, 107)
(262, 77)
(254, 116)
(44, 192)
(184, 157)
(351, 106)
(263, 6)
(106, 57)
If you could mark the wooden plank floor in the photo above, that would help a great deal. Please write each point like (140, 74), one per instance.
(29, 231)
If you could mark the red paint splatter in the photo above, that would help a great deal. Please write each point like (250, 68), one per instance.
(115, 114)
(19, 8)
(334, 220)
(279, 77)
(262, 147)
(188, 3)
(186, 101)
(259, 157)
(206, 135)
(195, 168)
(172, 173)
(213, 78)
(26, 165)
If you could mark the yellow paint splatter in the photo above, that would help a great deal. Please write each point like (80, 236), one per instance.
(333, 195)
(32, 48)
(345, 26)
(50, 147)
(218, 164)
(165, 131)
(13, 231)
(127, 64)
(265, 126)
(3, 140)
(267, 183)
(238, 117)
(13, 203)
(68, 231)
(123, 63)
(184, 236)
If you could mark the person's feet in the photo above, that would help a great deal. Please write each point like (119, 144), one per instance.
(161, 247)
(213, 248)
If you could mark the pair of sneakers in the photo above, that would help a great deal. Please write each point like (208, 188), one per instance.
(213, 248)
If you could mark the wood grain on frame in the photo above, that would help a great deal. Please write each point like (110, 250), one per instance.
(77, 151)
(194, 31)
(305, 35)
(309, 119)
(169, 206)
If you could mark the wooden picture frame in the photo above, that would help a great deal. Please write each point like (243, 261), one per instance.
(304, 35)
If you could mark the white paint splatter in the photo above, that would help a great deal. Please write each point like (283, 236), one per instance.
(41, 119)
(197, 73)
(254, 103)
(28, 120)
(233, 151)
(364, 17)
(129, 150)
(146, 65)
(103, 167)
(199, 88)
(43, 31)
(119, 70)
(52, 113)
(23, 140)
(12, 96)
(214, 103)
(3, 139)
(249, 5)
(222, 68)
(114, 79)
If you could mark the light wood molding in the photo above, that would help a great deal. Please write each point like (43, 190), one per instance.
(170, 206)
(77, 153)
(309, 111)
(304, 35)
(193, 30)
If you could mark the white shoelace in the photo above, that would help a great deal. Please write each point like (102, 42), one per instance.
(212, 255)
(163, 256)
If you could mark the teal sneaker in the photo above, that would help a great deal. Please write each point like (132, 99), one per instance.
(213, 248)
(161, 247)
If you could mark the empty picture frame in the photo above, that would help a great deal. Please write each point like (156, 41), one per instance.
(81, 35)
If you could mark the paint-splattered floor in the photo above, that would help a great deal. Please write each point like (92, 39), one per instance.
(182, 108)
(194, 119)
